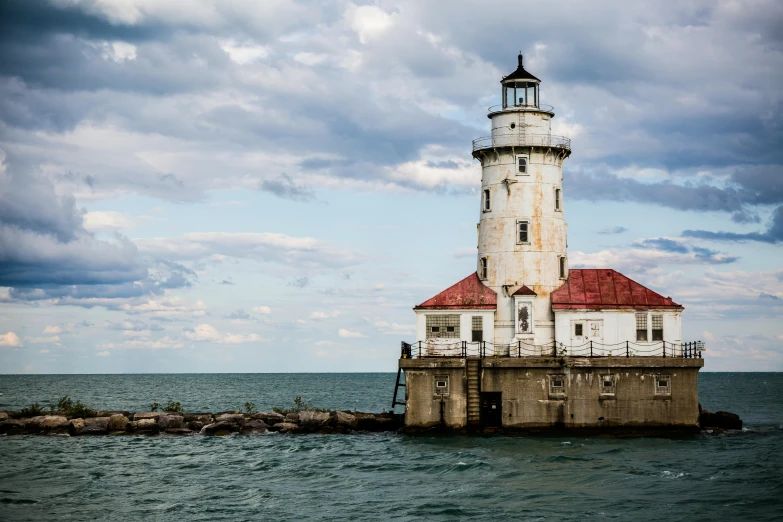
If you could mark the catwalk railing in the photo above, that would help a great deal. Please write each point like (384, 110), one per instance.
(424, 349)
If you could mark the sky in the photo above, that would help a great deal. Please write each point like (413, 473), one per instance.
(240, 186)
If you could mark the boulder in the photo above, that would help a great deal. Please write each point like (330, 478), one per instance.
(33, 424)
(313, 420)
(284, 427)
(203, 418)
(54, 424)
(346, 420)
(236, 418)
(270, 417)
(74, 425)
(197, 425)
(179, 431)
(220, 428)
(118, 422)
(139, 415)
(254, 427)
(95, 426)
(720, 419)
(3, 416)
(378, 422)
(292, 417)
(166, 422)
(144, 426)
(12, 427)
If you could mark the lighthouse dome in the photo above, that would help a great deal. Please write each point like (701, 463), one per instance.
(520, 88)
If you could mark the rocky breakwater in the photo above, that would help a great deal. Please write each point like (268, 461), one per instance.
(175, 423)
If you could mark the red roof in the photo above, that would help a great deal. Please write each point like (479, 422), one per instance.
(602, 288)
(523, 290)
(469, 293)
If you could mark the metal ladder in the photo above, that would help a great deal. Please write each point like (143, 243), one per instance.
(397, 386)
(473, 371)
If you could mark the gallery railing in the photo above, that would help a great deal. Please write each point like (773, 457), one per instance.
(522, 139)
(424, 349)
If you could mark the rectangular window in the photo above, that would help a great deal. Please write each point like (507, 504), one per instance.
(442, 326)
(523, 233)
(558, 195)
(487, 206)
(562, 261)
(477, 328)
(521, 164)
(663, 385)
(641, 327)
(557, 385)
(607, 384)
(579, 330)
(441, 385)
(657, 328)
(483, 272)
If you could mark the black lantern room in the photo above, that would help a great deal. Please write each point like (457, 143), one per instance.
(520, 88)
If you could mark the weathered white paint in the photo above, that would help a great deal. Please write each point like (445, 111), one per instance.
(617, 327)
(516, 196)
(465, 329)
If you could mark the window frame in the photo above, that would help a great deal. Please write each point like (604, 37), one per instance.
(526, 157)
(483, 271)
(527, 231)
(476, 328)
(437, 326)
(657, 333)
(562, 267)
(486, 200)
(663, 390)
(558, 200)
(440, 390)
(610, 390)
(557, 391)
(581, 327)
(639, 330)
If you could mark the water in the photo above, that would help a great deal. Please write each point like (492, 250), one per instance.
(383, 476)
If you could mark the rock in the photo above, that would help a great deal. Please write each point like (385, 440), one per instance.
(74, 425)
(54, 424)
(197, 425)
(166, 422)
(284, 427)
(313, 420)
(139, 415)
(3, 416)
(145, 426)
(346, 420)
(179, 431)
(220, 428)
(12, 427)
(292, 417)
(203, 418)
(254, 427)
(95, 426)
(118, 422)
(230, 417)
(270, 417)
(721, 419)
(33, 424)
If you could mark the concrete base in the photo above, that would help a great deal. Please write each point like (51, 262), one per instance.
(528, 394)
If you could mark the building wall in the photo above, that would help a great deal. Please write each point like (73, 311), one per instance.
(527, 403)
(449, 345)
(526, 197)
(618, 326)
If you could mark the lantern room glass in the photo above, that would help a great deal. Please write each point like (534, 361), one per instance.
(520, 94)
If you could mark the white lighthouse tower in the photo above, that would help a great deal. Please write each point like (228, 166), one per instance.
(522, 233)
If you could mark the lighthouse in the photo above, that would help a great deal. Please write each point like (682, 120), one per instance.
(526, 343)
(522, 232)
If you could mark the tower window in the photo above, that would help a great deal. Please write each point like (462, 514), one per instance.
(522, 164)
(562, 262)
(641, 327)
(657, 328)
(523, 232)
(487, 206)
(483, 268)
(558, 195)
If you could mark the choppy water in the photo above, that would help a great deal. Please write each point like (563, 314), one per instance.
(385, 476)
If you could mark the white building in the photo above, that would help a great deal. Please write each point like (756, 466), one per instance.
(523, 299)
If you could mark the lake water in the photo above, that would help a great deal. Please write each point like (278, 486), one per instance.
(380, 476)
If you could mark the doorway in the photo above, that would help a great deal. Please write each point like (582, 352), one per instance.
(491, 410)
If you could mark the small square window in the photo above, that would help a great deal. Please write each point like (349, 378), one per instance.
(663, 385)
(608, 384)
(441, 384)
(450, 329)
(487, 204)
(523, 229)
(578, 330)
(435, 329)
(557, 385)
(522, 164)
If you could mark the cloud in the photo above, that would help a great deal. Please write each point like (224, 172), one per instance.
(773, 234)
(342, 332)
(325, 315)
(300, 282)
(9, 339)
(639, 260)
(238, 314)
(613, 230)
(206, 332)
(104, 353)
(261, 310)
(53, 329)
(284, 187)
(107, 221)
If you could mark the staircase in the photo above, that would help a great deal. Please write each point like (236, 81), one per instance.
(473, 371)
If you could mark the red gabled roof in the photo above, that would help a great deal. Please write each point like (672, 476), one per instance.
(601, 288)
(523, 290)
(468, 293)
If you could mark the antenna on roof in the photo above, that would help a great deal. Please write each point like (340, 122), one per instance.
(520, 58)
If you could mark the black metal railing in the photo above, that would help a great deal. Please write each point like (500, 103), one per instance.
(424, 349)
(540, 107)
(522, 139)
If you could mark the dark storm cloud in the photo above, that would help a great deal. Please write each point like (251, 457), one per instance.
(773, 234)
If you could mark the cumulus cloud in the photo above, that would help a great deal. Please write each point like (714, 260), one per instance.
(262, 310)
(9, 339)
(325, 315)
(349, 334)
(207, 332)
(284, 187)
